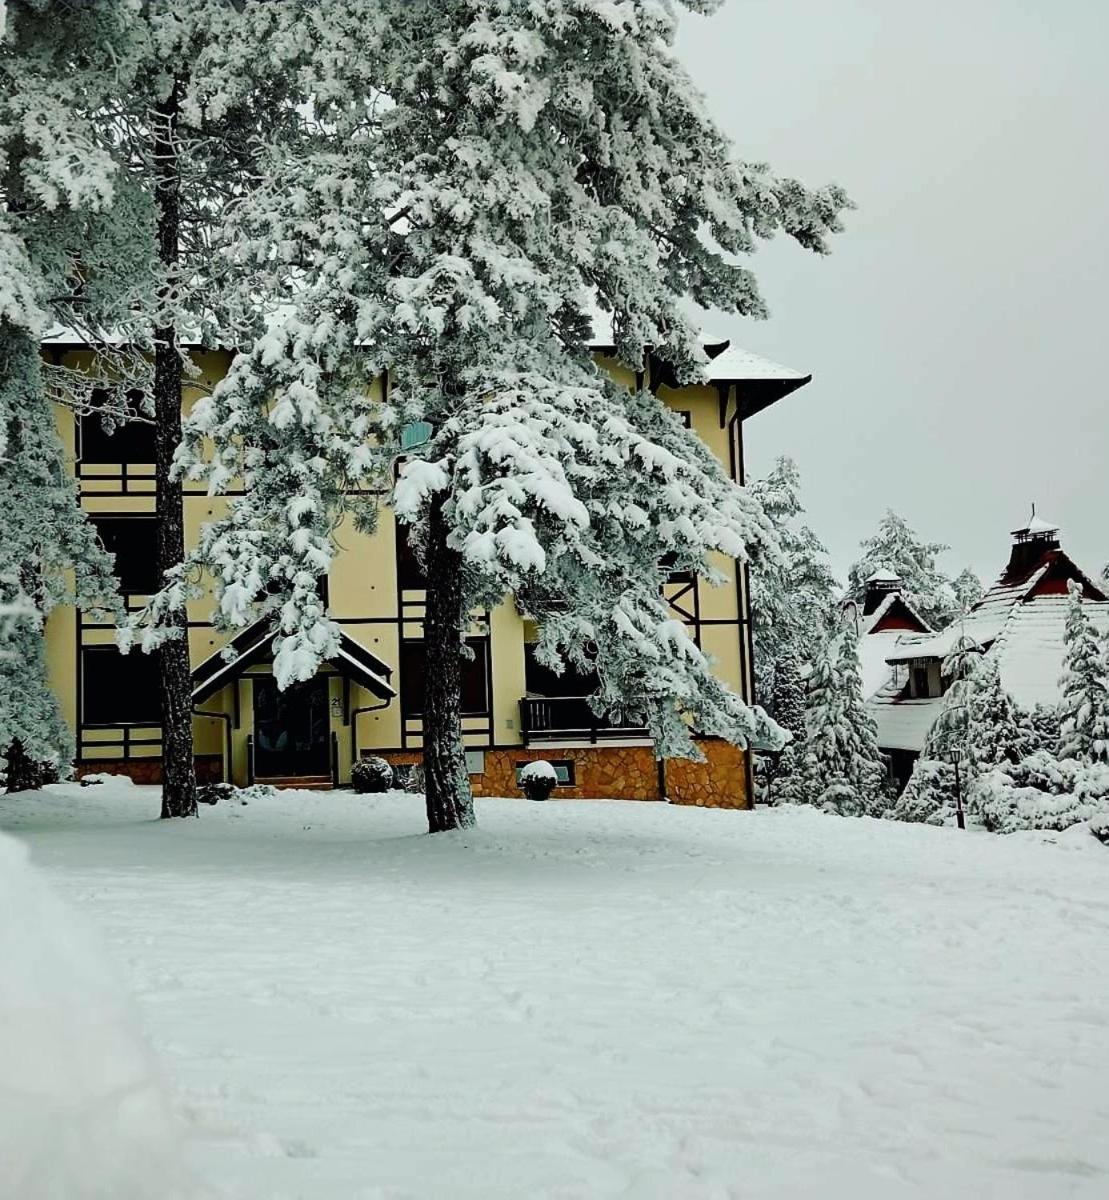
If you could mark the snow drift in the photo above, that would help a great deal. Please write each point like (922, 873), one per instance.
(82, 1112)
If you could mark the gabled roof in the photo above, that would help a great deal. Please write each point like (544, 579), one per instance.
(255, 644)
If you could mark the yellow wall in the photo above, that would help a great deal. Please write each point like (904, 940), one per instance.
(364, 599)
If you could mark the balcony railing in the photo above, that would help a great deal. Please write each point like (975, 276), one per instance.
(568, 718)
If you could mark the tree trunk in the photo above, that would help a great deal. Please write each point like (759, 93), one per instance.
(178, 766)
(450, 803)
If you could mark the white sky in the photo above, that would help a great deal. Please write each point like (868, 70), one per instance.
(953, 334)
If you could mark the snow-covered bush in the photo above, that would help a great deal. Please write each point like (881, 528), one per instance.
(929, 796)
(213, 793)
(1099, 827)
(1041, 792)
(538, 779)
(369, 775)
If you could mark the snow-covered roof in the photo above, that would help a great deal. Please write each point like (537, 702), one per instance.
(735, 365)
(982, 626)
(1037, 525)
(873, 650)
(902, 724)
(883, 576)
(1029, 649)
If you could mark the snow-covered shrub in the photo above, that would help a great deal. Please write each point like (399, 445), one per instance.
(538, 779)
(256, 791)
(929, 796)
(213, 793)
(409, 777)
(370, 775)
(1041, 792)
(1099, 827)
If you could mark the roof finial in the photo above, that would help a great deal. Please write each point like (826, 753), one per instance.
(1033, 516)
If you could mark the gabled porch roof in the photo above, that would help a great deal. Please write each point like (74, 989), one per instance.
(255, 644)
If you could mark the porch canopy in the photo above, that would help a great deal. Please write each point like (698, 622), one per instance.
(255, 645)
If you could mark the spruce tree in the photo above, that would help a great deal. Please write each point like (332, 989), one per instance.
(844, 772)
(896, 547)
(968, 589)
(783, 773)
(994, 732)
(793, 595)
(1084, 708)
(529, 161)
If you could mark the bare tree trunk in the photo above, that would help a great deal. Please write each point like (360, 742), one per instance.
(450, 802)
(178, 764)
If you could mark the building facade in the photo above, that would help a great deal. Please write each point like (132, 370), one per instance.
(368, 699)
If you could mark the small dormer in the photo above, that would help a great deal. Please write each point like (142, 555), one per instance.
(880, 585)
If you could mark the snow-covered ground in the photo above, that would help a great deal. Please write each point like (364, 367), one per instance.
(603, 999)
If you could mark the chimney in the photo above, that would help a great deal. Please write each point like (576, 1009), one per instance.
(878, 587)
(1030, 544)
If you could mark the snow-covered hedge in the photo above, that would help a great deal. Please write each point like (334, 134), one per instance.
(538, 779)
(1041, 792)
(929, 796)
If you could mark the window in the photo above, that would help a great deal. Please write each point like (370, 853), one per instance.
(475, 678)
(542, 681)
(134, 543)
(130, 442)
(119, 689)
(563, 769)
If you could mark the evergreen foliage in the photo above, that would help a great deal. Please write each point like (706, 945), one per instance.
(793, 595)
(843, 768)
(1084, 708)
(968, 589)
(896, 548)
(454, 220)
(995, 733)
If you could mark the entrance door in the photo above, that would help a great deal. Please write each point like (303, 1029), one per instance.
(291, 729)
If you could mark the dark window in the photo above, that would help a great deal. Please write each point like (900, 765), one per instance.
(119, 689)
(563, 767)
(920, 686)
(542, 681)
(673, 576)
(686, 416)
(475, 678)
(409, 573)
(134, 542)
(130, 442)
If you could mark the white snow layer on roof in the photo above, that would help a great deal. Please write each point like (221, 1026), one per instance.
(980, 625)
(874, 649)
(733, 363)
(883, 576)
(1030, 648)
(904, 725)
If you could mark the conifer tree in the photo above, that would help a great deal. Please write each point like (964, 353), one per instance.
(994, 732)
(783, 774)
(532, 161)
(896, 547)
(844, 772)
(1084, 709)
(57, 232)
(968, 589)
(792, 594)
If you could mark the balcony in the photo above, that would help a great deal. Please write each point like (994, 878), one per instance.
(565, 719)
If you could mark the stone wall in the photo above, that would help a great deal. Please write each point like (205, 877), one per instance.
(209, 768)
(620, 773)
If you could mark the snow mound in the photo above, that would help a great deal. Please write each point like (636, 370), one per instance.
(540, 769)
(82, 1112)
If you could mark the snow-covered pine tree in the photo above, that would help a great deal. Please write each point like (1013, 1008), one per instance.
(1084, 708)
(218, 82)
(792, 595)
(930, 794)
(843, 772)
(781, 774)
(896, 547)
(968, 589)
(57, 194)
(994, 733)
(49, 553)
(530, 160)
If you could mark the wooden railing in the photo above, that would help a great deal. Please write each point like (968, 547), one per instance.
(568, 718)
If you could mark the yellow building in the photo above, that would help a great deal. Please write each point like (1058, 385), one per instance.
(368, 699)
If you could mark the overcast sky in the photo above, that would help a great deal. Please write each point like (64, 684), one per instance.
(956, 335)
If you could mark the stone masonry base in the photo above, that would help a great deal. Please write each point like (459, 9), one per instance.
(619, 773)
(209, 768)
